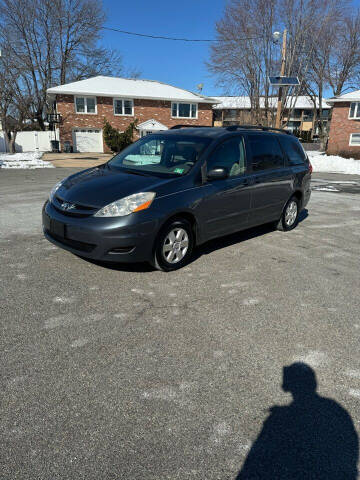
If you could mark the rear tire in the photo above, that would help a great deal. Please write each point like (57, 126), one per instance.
(173, 246)
(290, 216)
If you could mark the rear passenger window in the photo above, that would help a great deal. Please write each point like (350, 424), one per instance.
(293, 150)
(266, 152)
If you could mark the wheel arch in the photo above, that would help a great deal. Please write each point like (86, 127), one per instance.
(299, 195)
(186, 215)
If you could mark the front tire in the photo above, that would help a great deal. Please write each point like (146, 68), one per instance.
(173, 246)
(290, 216)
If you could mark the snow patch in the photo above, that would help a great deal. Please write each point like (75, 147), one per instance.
(326, 189)
(138, 291)
(333, 163)
(313, 358)
(21, 276)
(234, 284)
(64, 300)
(344, 182)
(122, 316)
(352, 373)
(163, 393)
(220, 431)
(251, 301)
(80, 342)
(354, 392)
(218, 354)
(23, 160)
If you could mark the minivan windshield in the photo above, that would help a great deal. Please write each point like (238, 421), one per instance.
(161, 155)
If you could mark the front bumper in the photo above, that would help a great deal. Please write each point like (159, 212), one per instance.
(121, 239)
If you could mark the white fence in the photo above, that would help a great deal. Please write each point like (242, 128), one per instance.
(31, 141)
(2, 142)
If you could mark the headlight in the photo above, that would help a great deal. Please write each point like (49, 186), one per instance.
(127, 205)
(54, 190)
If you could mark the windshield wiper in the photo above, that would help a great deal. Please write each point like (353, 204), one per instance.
(135, 172)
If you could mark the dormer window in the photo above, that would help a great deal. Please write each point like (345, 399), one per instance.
(354, 111)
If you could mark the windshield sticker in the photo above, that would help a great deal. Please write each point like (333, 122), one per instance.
(179, 170)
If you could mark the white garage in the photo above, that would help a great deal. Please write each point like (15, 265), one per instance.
(88, 140)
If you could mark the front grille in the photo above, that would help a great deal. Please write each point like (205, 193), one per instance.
(77, 209)
(71, 213)
(81, 246)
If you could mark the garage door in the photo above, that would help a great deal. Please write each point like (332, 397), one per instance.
(87, 140)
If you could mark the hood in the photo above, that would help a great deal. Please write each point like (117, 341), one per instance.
(99, 186)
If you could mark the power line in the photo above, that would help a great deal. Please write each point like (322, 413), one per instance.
(176, 39)
(158, 36)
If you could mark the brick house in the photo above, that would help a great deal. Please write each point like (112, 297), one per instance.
(344, 135)
(84, 105)
(238, 110)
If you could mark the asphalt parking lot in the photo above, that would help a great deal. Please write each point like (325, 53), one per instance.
(131, 373)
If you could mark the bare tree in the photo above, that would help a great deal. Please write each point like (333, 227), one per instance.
(50, 42)
(243, 56)
(343, 69)
(13, 106)
(322, 49)
(326, 16)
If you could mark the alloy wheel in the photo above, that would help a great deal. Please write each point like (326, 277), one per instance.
(291, 213)
(175, 245)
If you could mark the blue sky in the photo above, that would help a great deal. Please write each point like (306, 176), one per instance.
(178, 63)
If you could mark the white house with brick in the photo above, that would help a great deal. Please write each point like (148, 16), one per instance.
(344, 135)
(85, 105)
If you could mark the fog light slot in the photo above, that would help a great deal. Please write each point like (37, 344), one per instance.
(117, 250)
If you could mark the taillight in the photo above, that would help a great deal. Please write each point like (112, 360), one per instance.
(310, 168)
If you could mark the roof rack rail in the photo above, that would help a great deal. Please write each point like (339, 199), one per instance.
(176, 127)
(233, 128)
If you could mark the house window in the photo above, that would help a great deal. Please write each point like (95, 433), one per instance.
(85, 104)
(355, 139)
(354, 111)
(184, 110)
(123, 106)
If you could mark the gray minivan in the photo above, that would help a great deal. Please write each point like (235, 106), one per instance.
(170, 191)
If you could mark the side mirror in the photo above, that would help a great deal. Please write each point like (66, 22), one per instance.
(218, 173)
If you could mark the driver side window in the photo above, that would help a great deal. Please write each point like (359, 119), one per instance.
(229, 155)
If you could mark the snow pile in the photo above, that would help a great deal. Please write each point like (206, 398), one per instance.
(333, 164)
(23, 160)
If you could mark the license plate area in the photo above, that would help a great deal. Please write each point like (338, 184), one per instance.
(58, 228)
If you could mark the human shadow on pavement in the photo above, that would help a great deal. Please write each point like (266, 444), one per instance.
(312, 438)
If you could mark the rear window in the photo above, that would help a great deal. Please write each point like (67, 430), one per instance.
(266, 152)
(293, 150)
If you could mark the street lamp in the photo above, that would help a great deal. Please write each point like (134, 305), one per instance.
(276, 37)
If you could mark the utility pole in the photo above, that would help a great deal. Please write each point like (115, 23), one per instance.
(282, 73)
(1, 125)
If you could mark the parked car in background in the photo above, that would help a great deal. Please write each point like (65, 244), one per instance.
(168, 192)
